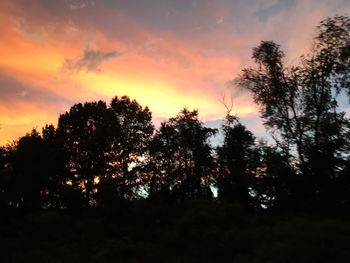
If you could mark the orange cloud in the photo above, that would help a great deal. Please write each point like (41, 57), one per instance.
(167, 56)
(163, 73)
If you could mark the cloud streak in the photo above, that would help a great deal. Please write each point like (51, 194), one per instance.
(90, 60)
(12, 90)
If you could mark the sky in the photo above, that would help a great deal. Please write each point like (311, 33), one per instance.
(166, 54)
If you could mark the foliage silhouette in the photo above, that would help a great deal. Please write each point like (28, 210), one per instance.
(238, 161)
(299, 104)
(136, 129)
(181, 157)
(87, 132)
(32, 171)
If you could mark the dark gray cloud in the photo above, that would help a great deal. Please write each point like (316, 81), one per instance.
(90, 60)
(11, 90)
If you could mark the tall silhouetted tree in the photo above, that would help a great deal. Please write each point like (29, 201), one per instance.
(300, 104)
(181, 156)
(277, 91)
(238, 160)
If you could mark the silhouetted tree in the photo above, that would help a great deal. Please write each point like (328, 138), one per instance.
(181, 157)
(163, 170)
(129, 149)
(88, 132)
(299, 104)
(106, 145)
(32, 170)
(238, 160)
(278, 93)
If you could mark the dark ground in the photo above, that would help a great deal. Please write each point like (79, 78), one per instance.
(187, 232)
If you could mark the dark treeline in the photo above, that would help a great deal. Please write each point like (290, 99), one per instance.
(102, 154)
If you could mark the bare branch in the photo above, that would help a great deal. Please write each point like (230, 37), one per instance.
(227, 107)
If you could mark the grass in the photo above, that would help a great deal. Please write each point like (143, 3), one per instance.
(196, 231)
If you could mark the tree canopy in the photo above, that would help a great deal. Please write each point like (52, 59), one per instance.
(299, 104)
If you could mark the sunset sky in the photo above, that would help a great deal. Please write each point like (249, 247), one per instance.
(166, 54)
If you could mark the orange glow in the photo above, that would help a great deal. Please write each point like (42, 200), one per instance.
(166, 60)
(164, 74)
(22, 118)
